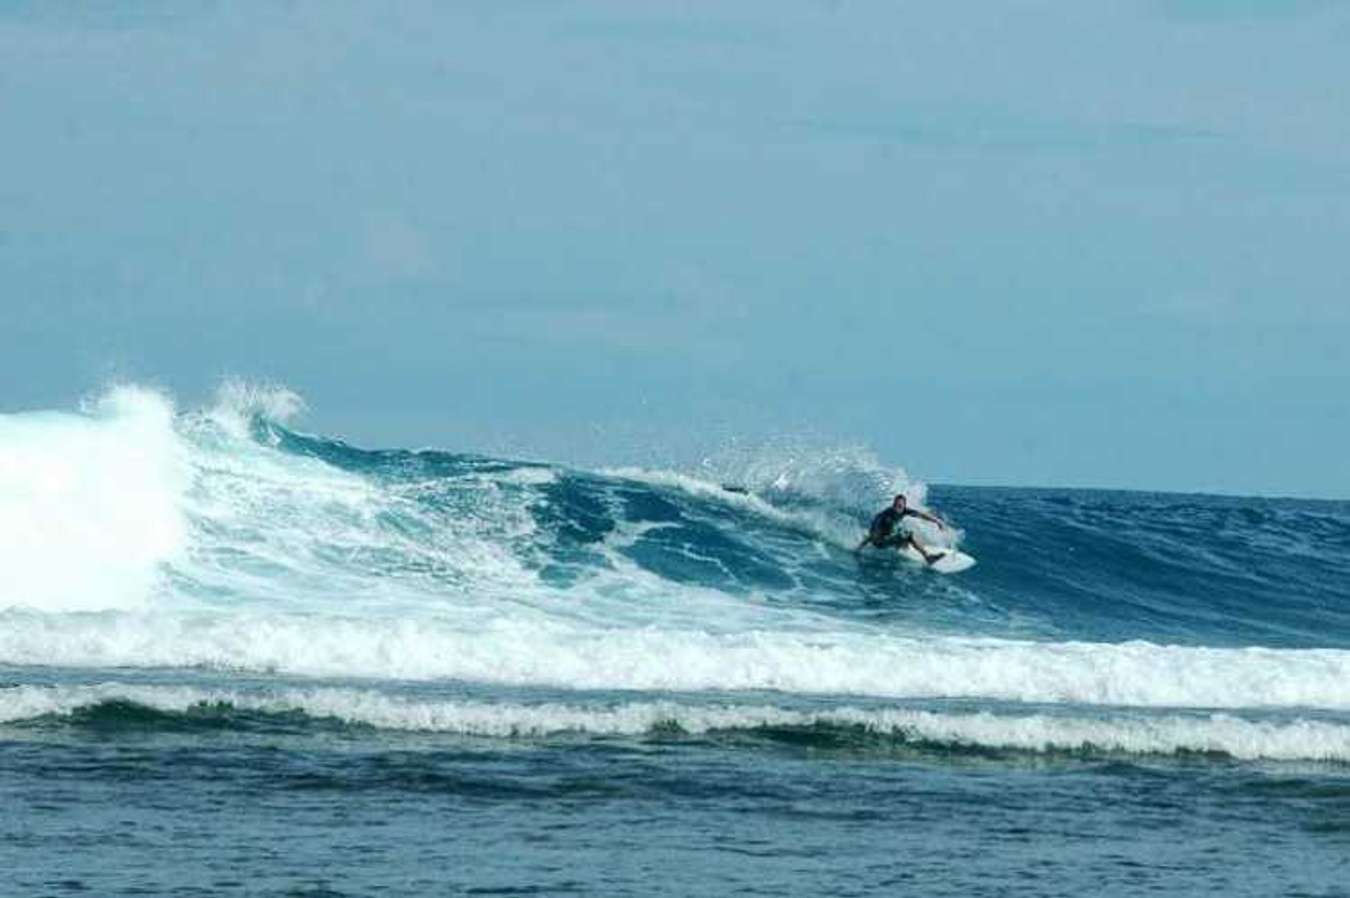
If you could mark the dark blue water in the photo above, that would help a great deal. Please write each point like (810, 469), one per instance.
(237, 660)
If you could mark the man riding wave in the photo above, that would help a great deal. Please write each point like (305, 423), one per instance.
(880, 533)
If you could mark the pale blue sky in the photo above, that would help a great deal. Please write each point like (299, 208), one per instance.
(1096, 244)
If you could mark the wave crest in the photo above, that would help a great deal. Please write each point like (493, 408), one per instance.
(848, 728)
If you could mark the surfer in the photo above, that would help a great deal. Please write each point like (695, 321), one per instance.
(879, 534)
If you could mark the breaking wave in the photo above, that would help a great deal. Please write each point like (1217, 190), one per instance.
(135, 535)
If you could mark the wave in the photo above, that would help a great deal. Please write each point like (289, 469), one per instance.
(517, 651)
(136, 535)
(1296, 739)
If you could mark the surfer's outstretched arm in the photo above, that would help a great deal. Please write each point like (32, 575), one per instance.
(930, 517)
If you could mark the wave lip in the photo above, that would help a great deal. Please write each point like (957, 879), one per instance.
(1113, 733)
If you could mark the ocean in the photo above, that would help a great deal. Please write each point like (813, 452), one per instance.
(239, 659)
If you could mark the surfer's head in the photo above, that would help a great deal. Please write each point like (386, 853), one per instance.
(898, 503)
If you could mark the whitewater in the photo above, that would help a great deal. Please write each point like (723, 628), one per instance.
(215, 581)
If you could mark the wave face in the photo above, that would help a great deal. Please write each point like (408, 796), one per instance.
(135, 537)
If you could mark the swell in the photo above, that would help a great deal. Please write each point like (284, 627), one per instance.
(1181, 568)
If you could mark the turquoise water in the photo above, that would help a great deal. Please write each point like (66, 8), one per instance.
(240, 660)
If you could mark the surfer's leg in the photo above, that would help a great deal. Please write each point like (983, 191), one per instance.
(918, 548)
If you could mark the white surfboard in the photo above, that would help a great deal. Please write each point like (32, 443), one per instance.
(953, 561)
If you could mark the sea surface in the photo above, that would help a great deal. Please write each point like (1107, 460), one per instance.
(237, 659)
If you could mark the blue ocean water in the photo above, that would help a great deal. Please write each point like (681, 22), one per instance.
(236, 659)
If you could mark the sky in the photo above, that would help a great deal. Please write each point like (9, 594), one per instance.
(1024, 243)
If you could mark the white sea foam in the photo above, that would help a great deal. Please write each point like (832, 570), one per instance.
(281, 530)
(541, 650)
(91, 503)
(1297, 739)
(128, 505)
(239, 401)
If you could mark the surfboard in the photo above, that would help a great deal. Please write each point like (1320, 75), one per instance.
(953, 561)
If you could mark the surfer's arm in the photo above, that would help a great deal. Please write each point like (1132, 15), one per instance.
(928, 517)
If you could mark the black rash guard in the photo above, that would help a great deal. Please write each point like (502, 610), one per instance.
(883, 525)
